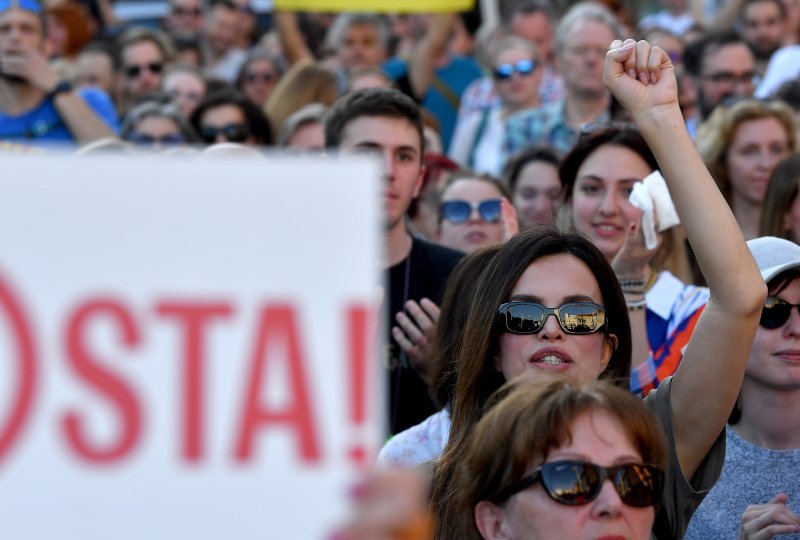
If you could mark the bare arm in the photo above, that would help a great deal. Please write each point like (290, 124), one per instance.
(707, 382)
(422, 66)
(294, 45)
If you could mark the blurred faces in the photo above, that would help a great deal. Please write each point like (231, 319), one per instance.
(536, 28)
(185, 18)
(536, 193)
(156, 133)
(20, 30)
(95, 69)
(521, 89)
(221, 29)
(600, 206)
(551, 281)
(396, 142)
(727, 71)
(142, 68)
(774, 360)
(225, 123)
(361, 46)
(581, 61)
(763, 27)
(792, 220)
(475, 232)
(598, 437)
(309, 137)
(186, 89)
(756, 148)
(259, 80)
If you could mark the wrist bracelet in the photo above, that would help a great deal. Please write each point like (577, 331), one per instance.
(61, 88)
(637, 305)
(628, 283)
(633, 291)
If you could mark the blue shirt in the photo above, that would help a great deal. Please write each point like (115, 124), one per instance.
(42, 125)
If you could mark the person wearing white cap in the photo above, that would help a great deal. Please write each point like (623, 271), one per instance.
(758, 495)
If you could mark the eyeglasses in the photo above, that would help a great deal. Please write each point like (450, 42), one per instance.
(776, 312)
(166, 140)
(729, 79)
(26, 5)
(576, 482)
(259, 77)
(237, 133)
(506, 71)
(133, 72)
(529, 317)
(460, 211)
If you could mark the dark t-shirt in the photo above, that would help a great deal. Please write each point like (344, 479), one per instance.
(422, 274)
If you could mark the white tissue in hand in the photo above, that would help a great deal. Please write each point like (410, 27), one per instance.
(652, 197)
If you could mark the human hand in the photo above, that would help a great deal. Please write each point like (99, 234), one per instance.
(633, 258)
(508, 217)
(29, 65)
(390, 505)
(763, 521)
(641, 77)
(416, 330)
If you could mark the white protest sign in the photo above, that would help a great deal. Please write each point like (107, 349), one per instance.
(187, 349)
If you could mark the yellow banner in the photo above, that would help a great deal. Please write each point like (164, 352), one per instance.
(373, 6)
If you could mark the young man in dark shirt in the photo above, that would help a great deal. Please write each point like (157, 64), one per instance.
(388, 124)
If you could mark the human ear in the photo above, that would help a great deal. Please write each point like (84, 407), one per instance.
(489, 520)
(610, 345)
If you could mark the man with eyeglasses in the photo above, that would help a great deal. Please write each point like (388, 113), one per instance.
(387, 124)
(582, 39)
(37, 107)
(143, 57)
(721, 66)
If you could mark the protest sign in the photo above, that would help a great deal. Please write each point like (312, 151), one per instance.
(187, 349)
(377, 6)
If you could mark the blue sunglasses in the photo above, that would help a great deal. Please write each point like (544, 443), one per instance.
(506, 71)
(28, 5)
(458, 211)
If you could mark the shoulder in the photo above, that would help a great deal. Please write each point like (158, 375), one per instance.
(439, 256)
(101, 103)
(418, 444)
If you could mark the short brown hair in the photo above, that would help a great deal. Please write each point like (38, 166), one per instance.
(530, 418)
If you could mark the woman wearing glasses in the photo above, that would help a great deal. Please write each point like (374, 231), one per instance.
(540, 272)
(478, 138)
(471, 214)
(758, 495)
(543, 475)
(228, 116)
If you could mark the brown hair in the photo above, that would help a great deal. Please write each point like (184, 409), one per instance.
(530, 418)
(477, 377)
(304, 83)
(781, 193)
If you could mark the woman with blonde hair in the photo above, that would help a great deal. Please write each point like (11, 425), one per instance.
(305, 82)
(781, 213)
(741, 144)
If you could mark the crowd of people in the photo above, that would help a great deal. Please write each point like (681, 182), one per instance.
(537, 161)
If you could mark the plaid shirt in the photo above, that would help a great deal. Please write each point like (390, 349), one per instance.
(545, 125)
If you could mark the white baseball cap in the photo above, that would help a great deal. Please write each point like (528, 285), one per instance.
(774, 255)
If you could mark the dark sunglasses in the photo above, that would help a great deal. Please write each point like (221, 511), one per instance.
(26, 5)
(237, 133)
(459, 211)
(166, 140)
(529, 317)
(259, 77)
(576, 482)
(133, 72)
(776, 312)
(505, 71)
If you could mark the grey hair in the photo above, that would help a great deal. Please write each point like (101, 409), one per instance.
(344, 21)
(585, 12)
(309, 114)
(160, 109)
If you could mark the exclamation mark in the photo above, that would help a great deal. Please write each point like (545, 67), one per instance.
(358, 339)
